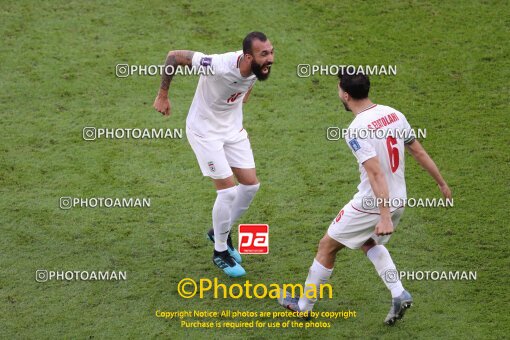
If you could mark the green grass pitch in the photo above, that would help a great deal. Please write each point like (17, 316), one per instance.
(57, 75)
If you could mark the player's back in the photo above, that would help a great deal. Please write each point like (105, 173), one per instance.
(381, 131)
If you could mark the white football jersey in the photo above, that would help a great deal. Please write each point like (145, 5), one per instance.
(217, 107)
(380, 131)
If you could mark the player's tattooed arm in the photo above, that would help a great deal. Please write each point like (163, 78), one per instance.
(173, 59)
(422, 157)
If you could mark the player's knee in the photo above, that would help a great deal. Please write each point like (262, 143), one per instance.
(224, 183)
(250, 181)
(368, 245)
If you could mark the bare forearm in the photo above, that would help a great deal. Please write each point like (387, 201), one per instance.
(428, 164)
(380, 189)
(379, 185)
(167, 78)
(381, 192)
(174, 59)
(422, 157)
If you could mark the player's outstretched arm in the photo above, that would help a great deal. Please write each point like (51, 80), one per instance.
(422, 157)
(173, 59)
(380, 189)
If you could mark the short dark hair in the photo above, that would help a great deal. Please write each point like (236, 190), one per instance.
(248, 41)
(356, 85)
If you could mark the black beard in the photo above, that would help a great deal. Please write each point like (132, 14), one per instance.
(346, 107)
(256, 69)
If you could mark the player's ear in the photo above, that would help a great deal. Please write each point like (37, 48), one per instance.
(248, 57)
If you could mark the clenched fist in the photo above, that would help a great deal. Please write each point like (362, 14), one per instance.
(162, 104)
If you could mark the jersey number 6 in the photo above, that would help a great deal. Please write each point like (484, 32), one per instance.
(393, 153)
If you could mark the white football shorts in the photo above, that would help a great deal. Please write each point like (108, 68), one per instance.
(216, 156)
(353, 227)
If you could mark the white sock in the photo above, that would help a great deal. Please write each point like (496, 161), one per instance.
(245, 194)
(386, 269)
(221, 217)
(317, 275)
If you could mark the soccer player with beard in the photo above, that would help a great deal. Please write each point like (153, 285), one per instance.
(214, 128)
(369, 219)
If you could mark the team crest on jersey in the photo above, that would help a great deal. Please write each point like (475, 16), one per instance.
(211, 166)
(354, 144)
(206, 61)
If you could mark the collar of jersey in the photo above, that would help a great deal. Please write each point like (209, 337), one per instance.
(368, 108)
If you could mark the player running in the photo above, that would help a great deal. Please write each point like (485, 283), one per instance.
(368, 220)
(214, 128)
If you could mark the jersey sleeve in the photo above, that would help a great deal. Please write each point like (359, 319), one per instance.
(361, 148)
(409, 135)
(216, 62)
